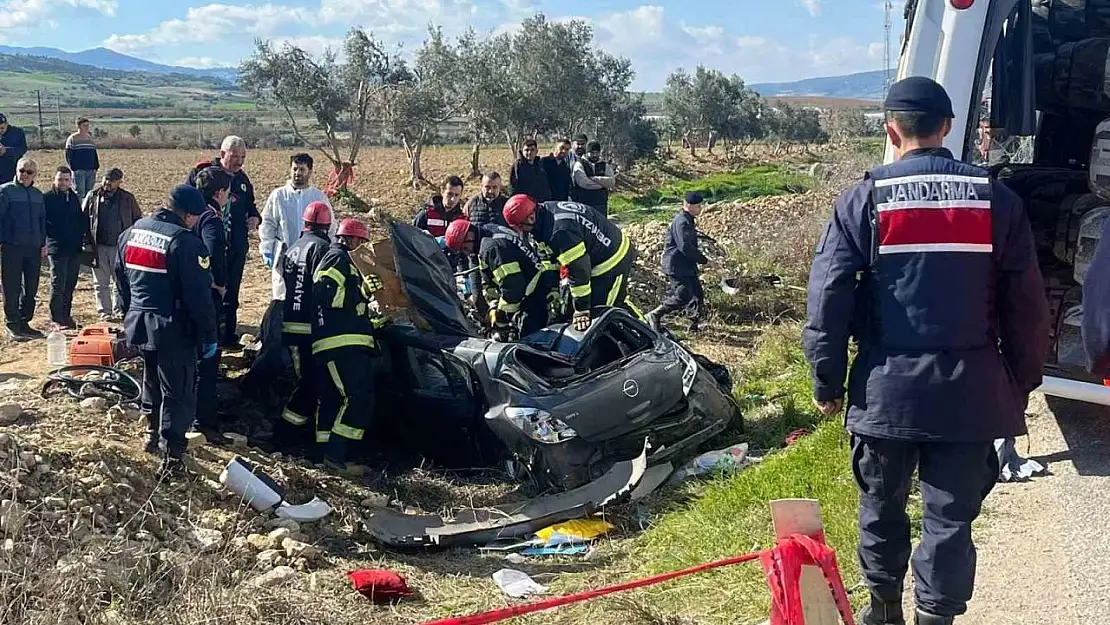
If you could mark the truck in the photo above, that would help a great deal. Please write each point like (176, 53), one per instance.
(1030, 87)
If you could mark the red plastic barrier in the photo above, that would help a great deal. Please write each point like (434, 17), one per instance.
(781, 564)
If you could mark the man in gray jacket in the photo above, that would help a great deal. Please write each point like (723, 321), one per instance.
(22, 247)
(109, 210)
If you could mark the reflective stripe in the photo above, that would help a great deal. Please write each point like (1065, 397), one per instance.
(573, 254)
(343, 340)
(436, 222)
(550, 265)
(613, 261)
(506, 270)
(611, 298)
(581, 291)
(293, 417)
(340, 284)
(345, 431)
(294, 327)
(323, 437)
(379, 322)
(506, 307)
(635, 309)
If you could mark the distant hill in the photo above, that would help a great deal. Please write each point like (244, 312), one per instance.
(862, 86)
(110, 59)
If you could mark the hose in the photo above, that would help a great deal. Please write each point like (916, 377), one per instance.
(113, 383)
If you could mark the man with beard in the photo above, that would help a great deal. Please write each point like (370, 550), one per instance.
(486, 207)
(281, 217)
(109, 210)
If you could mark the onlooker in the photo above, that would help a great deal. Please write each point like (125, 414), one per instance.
(441, 209)
(82, 158)
(578, 150)
(241, 215)
(486, 207)
(65, 235)
(282, 217)
(13, 145)
(557, 168)
(108, 210)
(528, 177)
(22, 246)
(593, 179)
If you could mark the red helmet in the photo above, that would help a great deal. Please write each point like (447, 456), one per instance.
(517, 210)
(353, 228)
(456, 234)
(318, 214)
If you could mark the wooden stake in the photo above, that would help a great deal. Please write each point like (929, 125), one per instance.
(803, 516)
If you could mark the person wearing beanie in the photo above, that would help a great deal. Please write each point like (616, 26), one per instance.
(165, 291)
(681, 258)
(930, 265)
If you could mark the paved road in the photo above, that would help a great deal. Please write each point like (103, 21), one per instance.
(1044, 545)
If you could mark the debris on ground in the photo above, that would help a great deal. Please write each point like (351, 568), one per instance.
(728, 460)
(573, 532)
(1013, 467)
(380, 586)
(516, 584)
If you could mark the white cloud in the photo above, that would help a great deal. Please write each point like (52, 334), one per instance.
(212, 23)
(813, 6)
(199, 62)
(25, 13)
(398, 18)
(313, 44)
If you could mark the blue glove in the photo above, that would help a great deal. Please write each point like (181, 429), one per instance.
(268, 258)
(209, 350)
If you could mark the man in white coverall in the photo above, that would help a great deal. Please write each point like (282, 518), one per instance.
(281, 217)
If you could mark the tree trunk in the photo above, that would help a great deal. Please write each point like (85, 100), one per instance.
(475, 154)
(417, 174)
(689, 141)
(709, 142)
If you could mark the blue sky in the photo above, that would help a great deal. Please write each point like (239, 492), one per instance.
(761, 40)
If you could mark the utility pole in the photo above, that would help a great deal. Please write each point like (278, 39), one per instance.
(42, 139)
(887, 8)
(58, 102)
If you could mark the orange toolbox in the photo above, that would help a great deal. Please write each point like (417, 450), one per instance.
(100, 346)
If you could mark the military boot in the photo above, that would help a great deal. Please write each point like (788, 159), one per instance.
(881, 612)
(924, 618)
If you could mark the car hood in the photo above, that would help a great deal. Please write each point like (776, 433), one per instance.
(427, 280)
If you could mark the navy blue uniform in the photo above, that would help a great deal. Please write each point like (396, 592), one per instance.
(298, 270)
(520, 279)
(931, 267)
(1096, 308)
(241, 207)
(210, 228)
(343, 346)
(15, 147)
(165, 291)
(681, 258)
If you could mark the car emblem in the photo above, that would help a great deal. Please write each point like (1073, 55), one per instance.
(631, 388)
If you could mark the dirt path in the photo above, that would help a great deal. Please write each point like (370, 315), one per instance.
(1043, 555)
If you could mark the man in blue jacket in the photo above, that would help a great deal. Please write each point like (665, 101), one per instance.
(681, 258)
(13, 145)
(166, 287)
(22, 247)
(930, 265)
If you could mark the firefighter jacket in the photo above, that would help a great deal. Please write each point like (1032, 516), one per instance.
(511, 263)
(342, 297)
(165, 285)
(585, 242)
(434, 217)
(931, 266)
(298, 269)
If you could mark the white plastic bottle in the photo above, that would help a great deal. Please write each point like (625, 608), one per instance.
(57, 349)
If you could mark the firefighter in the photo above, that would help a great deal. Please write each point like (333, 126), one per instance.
(517, 281)
(932, 267)
(165, 291)
(298, 267)
(343, 346)
(597, 255)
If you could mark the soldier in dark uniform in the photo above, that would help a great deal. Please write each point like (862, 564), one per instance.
(165, 288)
(298, 268)
(518, 283)
(343, 345)
(597, 255)
(681, 258)
(931, 266)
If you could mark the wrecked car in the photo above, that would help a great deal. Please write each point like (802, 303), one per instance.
(560, 407)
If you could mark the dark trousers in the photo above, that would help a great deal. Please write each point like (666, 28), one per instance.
(686, 294)
(63, 282)
(229, 313)
(20, 269)
(534, 314)
(300, 410)
(208, 403)
(346, 387)
(955, 479)
(170, 395)
(611, 290)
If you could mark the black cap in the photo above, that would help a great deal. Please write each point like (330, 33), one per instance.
(187, 200)
(114, 173)
(593, 146)
(581, 138)
(3, 118)
(919, 94)
(693, 197)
